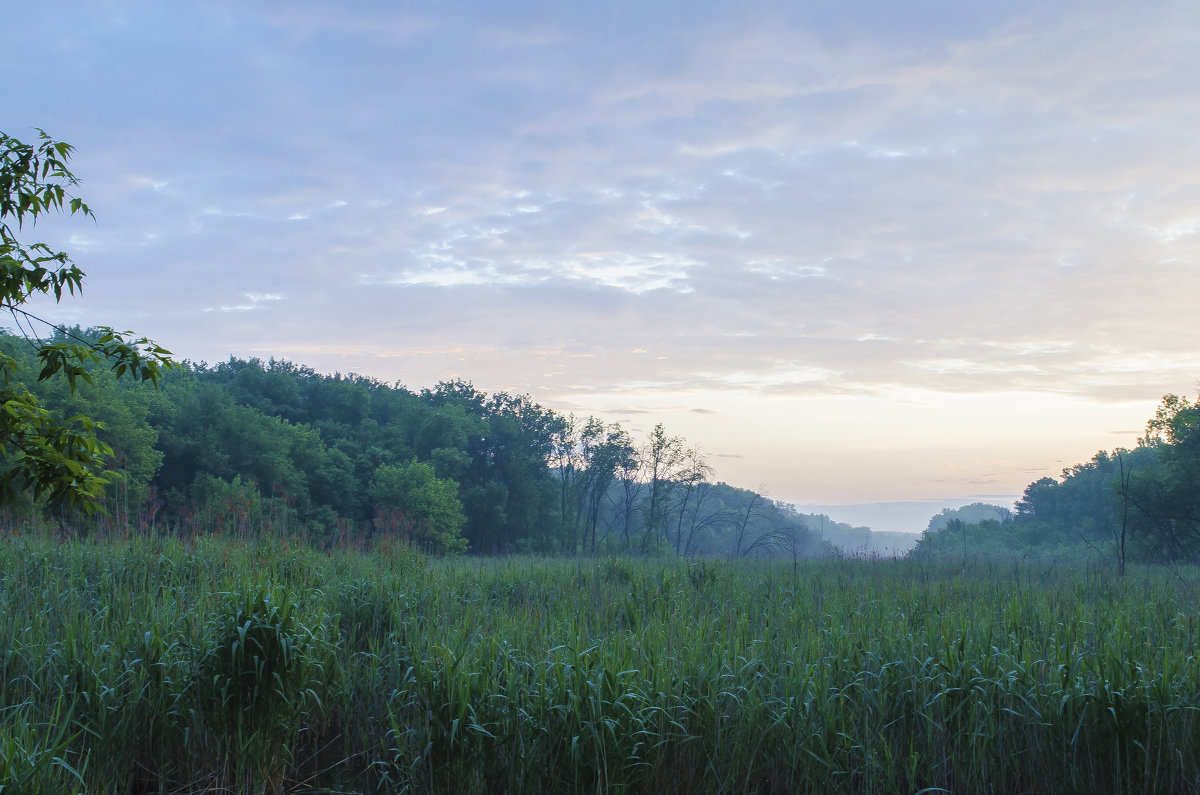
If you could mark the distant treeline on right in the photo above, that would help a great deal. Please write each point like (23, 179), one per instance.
(1137, 505)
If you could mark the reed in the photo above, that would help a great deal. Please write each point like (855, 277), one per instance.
(158, 665)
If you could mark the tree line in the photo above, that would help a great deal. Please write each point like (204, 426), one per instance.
(247, 446)
(1140, 504)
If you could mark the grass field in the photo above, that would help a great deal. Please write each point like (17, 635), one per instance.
(155, 665)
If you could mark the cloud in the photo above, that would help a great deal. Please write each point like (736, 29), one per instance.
(305, 24)
(255, 301)
(783, 204)
(507, 38)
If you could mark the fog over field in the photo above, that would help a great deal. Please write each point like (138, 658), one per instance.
(902, 517)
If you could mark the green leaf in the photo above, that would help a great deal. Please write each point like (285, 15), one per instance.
(61, 461)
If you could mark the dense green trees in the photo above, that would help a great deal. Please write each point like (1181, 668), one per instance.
(247, 447)
(252, 447)
(1164, 496)
(412, 499)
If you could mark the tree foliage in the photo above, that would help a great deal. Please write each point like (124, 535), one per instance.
(1143, 503)
(247, 446)
(1165, 497)
(45, 453)
(424, 506)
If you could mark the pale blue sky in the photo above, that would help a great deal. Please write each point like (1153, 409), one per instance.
(856, 251)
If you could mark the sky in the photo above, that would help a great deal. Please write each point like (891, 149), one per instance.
(857, 252)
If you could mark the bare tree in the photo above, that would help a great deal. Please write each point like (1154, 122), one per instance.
(707, 512)
(751, 506)
(693, 484)
(662, 457)
(607, 449)
(565, 460)
(628, 472)
(1126, 475)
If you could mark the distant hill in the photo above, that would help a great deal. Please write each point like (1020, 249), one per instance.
(858, 540)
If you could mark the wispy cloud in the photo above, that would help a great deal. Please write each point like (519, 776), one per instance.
(784, 205)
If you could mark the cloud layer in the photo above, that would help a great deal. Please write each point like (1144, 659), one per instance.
(720, 216)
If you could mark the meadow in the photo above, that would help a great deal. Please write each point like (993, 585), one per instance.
(218, 665)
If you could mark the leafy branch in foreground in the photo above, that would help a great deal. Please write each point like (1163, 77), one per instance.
(62, 460)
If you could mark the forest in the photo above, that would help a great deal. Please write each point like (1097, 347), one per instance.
(250, 447)
(1125, 505)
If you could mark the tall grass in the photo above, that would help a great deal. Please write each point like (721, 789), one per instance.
(155, 665)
